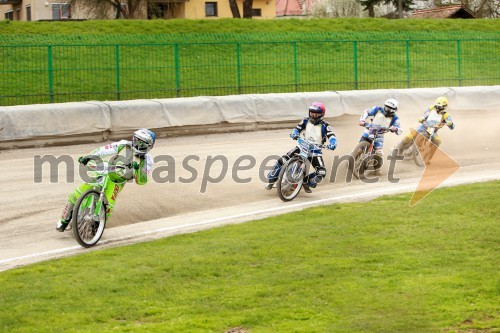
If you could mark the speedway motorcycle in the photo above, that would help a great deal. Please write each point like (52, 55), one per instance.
(293, 172)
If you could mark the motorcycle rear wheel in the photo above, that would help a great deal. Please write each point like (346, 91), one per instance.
(361, 159)
(422, 148)
(415, 155)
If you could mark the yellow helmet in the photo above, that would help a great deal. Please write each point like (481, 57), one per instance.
(441, 104)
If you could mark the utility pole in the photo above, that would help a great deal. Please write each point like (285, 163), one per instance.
(400, 8)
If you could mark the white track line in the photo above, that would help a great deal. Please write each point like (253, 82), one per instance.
(373, 193)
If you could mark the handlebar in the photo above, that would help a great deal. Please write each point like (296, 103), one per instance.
(312, 143)
(377, 128)
(433, 124)
(102, 166)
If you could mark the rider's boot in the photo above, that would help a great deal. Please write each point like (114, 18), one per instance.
(62, 224)
(272, 176)
(431, 154)
(311, 183)
(400, 147)
(269, 185)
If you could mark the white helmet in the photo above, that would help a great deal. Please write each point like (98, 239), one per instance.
(390, 107)
(142, 141)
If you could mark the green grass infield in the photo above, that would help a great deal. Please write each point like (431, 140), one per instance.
(375, 266)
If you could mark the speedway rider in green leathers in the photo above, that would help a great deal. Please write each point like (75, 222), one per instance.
(139, 163)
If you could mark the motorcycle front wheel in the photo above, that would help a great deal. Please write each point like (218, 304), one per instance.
(291, 178)
(88, 226)
(415, 155)
(422, 150)
(360, 159)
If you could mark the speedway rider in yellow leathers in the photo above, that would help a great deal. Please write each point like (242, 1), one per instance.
(436, 112)
(313, 128)
(134, 155)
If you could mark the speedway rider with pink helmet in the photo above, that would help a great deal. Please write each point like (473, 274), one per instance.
(134, 155)
(313, 128)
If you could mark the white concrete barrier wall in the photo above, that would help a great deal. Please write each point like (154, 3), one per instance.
(64, 119)
(69, 119)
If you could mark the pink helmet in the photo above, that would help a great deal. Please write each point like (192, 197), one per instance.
(316, 112)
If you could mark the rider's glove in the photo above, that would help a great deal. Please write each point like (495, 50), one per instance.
(133, 165)
(295, 134)
(450, 124)
(332, 144)
(396, 130)
(362, 123)
(84, 160)
(421, 120)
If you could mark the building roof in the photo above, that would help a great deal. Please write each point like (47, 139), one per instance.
(294, 7)
(455, 11)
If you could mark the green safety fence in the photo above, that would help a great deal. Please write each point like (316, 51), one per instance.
(32, 73)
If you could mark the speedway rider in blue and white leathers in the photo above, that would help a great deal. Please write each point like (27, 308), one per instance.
(384, 117)
(317, 130)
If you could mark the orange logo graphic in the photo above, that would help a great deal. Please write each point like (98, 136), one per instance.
(439, 166)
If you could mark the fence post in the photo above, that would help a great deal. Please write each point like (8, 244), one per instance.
(51, 74)
(355, 45)
(408, 72)
(117, 70)
(296, 66)
(238, 64)
(177, 74)
(459, 61)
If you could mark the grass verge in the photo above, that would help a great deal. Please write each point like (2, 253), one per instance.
(55, 62)
(378, 266)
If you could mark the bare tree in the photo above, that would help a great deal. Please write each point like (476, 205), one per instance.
(370, 6)
(234, 9)
(336, 8)
(103, 9)
(400, 5)
(247, 9)
(483, 8)
(480, 8)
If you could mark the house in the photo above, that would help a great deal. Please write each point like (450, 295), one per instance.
(36, 10)
(455, 11)
(294, 8)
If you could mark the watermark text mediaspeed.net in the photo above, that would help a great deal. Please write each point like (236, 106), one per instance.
(216, 168)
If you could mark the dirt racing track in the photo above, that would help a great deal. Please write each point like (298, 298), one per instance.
(182, 202)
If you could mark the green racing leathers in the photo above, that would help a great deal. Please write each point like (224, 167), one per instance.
(138, 168)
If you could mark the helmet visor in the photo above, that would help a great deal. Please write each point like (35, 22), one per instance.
(439, 107)
(389, 111)
(314, 115)
(315, 112)
(140, 146)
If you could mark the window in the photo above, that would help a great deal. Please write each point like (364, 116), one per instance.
(210, 8)
(9, 15)
(28, 13)
(61, 11)
(256, 12)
